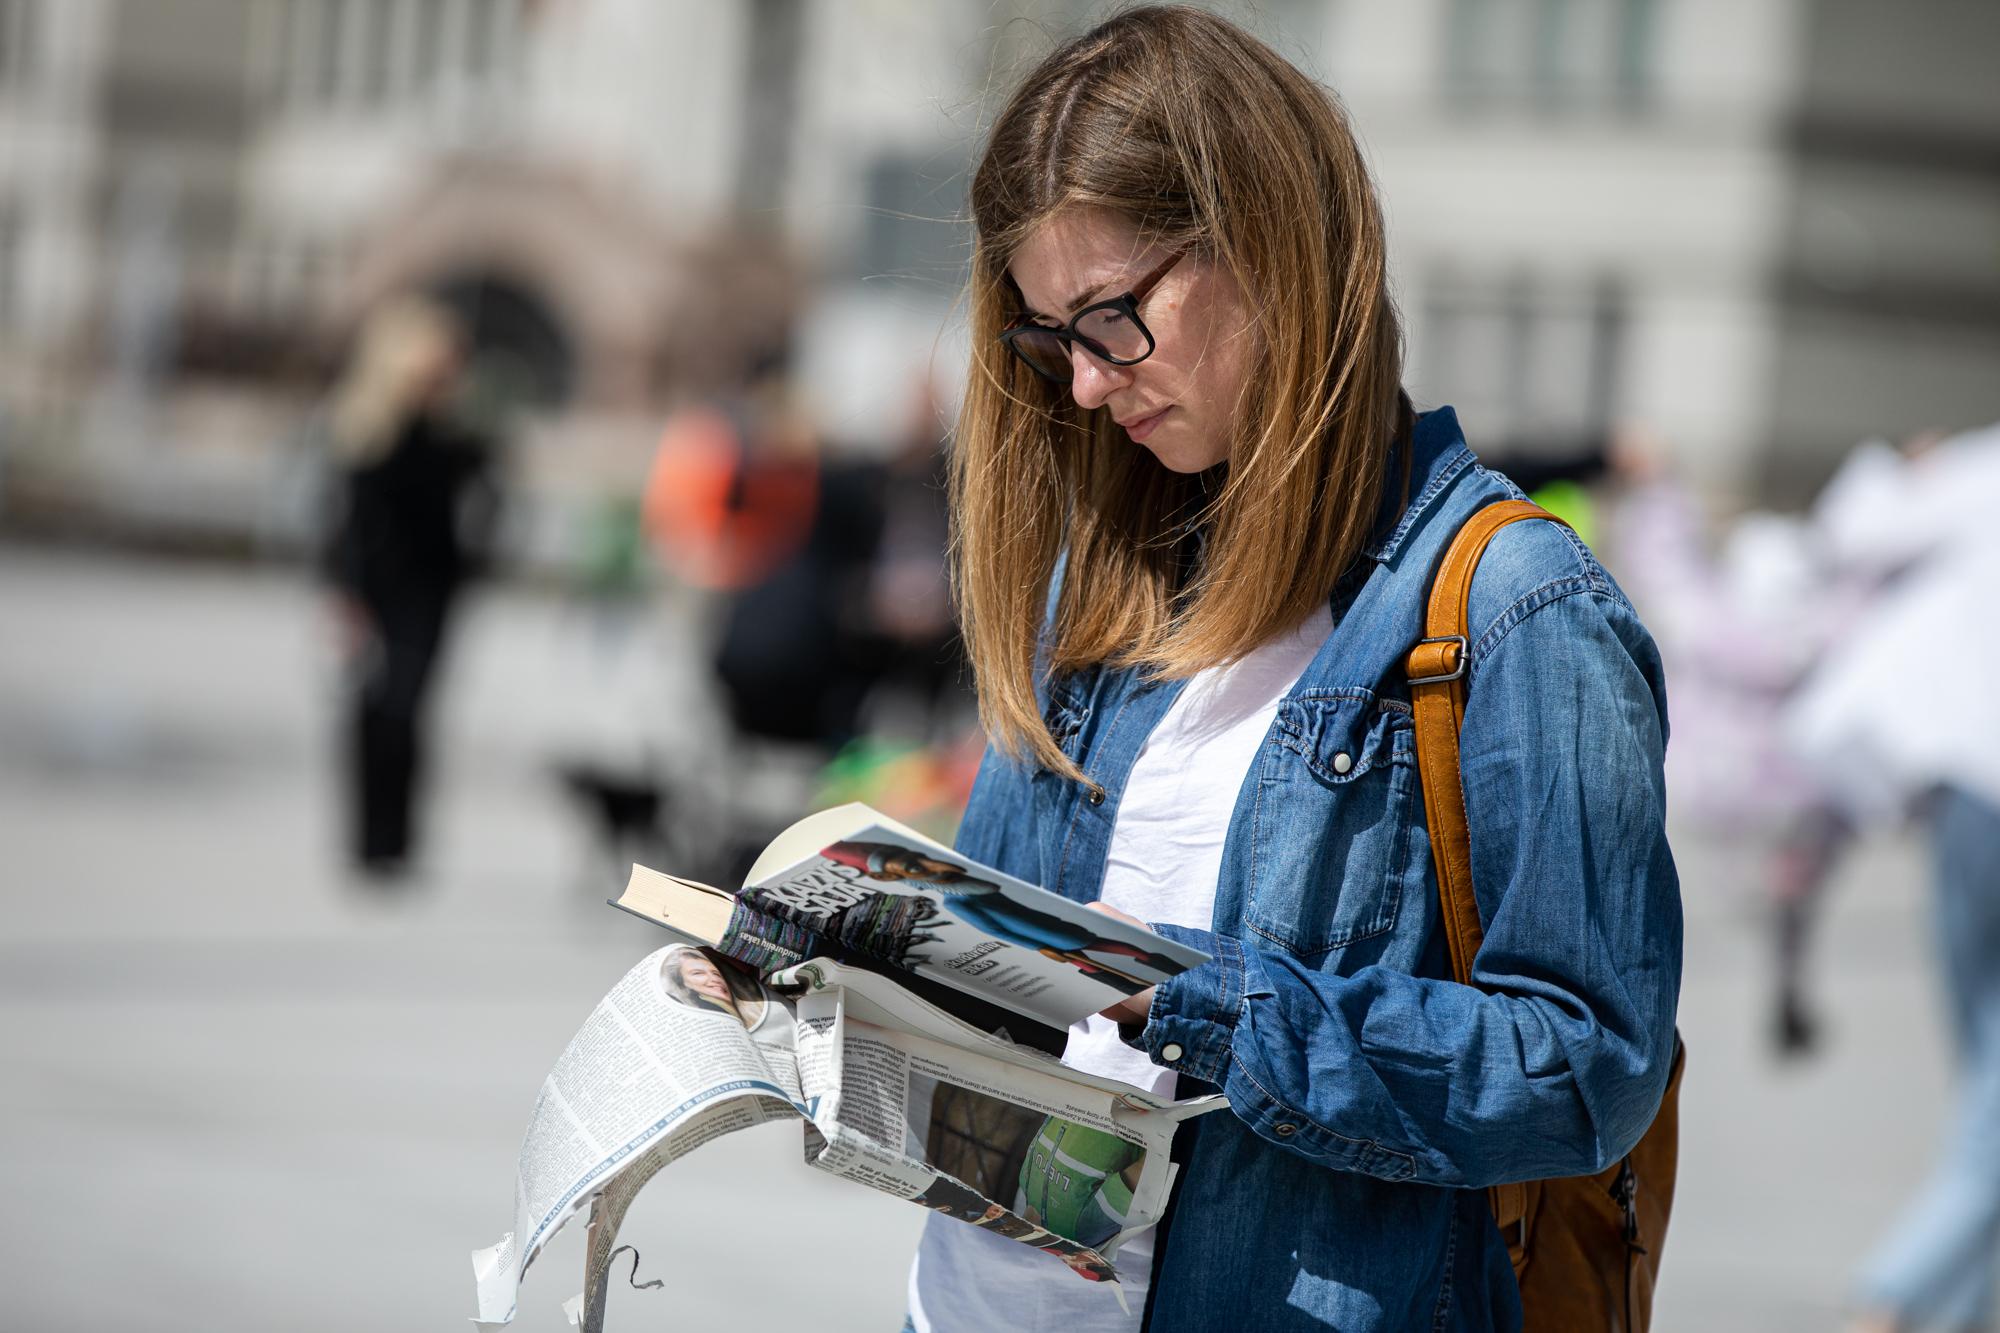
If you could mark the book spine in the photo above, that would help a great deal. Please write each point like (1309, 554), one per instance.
(765, 942)
(889, 928)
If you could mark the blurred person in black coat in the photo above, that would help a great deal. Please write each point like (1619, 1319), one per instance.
(413, 485)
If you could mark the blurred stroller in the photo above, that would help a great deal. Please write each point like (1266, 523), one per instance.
(797, 603)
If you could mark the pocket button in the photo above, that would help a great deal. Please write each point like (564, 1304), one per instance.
(1171, 1052)
(1342, 762)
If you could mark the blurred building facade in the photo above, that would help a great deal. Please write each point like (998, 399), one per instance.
(1763, 231)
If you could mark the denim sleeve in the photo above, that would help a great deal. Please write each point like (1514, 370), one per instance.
(1555, 1061)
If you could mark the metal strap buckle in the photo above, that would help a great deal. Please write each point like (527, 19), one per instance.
(1464, 651)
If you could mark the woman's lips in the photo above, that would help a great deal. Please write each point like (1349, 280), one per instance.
(1145, 426)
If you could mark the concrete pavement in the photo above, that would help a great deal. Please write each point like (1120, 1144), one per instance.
(240, 1093)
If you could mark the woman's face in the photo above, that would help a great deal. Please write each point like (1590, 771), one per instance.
(705, 978)
(1182, 401)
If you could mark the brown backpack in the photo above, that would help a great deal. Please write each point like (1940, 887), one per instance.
(1586, 1249)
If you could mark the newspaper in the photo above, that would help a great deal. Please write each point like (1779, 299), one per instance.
(894, 1093)
(683, 1050)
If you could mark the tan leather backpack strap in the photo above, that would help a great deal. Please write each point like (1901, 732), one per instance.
(1437, 699)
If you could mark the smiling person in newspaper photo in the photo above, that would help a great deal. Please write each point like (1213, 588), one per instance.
(985, 906)
(701, 980)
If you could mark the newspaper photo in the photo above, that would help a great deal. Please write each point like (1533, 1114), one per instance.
(911, 1101)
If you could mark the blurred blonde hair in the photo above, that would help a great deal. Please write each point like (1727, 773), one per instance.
(399, 354)
(1205, 140)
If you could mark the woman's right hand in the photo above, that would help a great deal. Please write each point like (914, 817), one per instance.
(1133, 1008)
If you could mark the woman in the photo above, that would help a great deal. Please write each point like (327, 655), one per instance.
(412, 481)
(699, 979)
(1195, 523)
(696, 980)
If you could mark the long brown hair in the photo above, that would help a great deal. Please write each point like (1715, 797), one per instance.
(397, 359)
(1204, 139)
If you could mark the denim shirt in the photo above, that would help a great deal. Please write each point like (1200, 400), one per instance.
(1372, 1097)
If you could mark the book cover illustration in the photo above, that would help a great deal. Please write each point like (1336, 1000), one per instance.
(916, 906)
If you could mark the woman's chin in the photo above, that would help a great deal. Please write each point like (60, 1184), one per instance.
(1183, 456)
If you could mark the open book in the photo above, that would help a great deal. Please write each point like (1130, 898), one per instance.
(854, 884)
(853, 984)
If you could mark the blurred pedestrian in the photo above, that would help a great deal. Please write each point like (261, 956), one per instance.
(1901, 716)
(745, 502)
(769, 541)
(1937, 1267)
(734, 483)
(1740, 630)
(924, 692)
(413, 502)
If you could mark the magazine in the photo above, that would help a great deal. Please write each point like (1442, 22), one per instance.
(894, 1092)
(852, 883)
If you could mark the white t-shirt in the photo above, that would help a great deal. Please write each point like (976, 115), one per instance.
(1162, 866)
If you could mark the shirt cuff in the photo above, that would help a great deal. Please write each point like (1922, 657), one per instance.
(1193, 1016)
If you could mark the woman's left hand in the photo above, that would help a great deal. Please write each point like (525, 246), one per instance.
(1133, 1008)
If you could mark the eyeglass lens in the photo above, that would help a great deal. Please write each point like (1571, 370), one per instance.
(1108, 332)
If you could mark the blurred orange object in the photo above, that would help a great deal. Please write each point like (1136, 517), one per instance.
(723, 513)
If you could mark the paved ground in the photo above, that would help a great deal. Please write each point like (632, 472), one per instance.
(239, 1094)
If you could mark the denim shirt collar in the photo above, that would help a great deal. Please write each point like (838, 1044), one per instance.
(1438, 454)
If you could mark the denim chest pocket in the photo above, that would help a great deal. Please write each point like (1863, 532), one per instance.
(1336, 783)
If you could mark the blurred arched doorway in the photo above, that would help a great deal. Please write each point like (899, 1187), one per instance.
(520, 354)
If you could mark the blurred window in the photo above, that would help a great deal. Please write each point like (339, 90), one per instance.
(17, 42)
(1527, 365)
(271, 274)
(426, 32)
(280, 276)
(373, 38)
(388, 54)
(1550, 55)
(1297, 28)
(914, 225)
(325, 51)
(768, 111)
(12, 234)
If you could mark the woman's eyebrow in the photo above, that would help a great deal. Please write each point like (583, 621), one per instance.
(1084, 298)
(1076, 302)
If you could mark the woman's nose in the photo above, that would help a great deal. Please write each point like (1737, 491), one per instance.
(1093, 380)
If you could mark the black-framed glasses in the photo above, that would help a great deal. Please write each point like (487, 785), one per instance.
(1110, 330)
